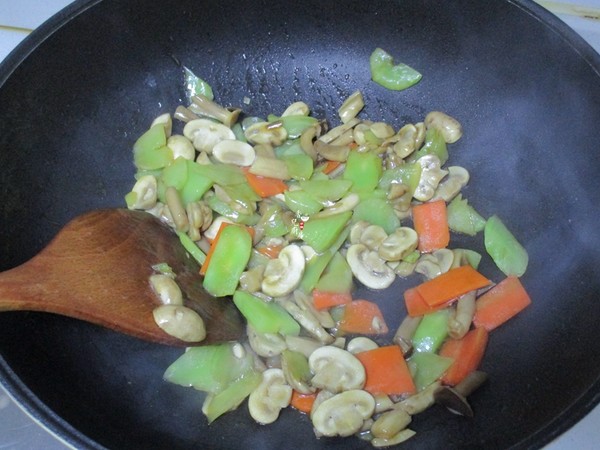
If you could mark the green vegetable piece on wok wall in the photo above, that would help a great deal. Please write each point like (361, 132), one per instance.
(396, 77)
(508, 254)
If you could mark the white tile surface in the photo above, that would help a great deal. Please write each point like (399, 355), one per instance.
(19, 432)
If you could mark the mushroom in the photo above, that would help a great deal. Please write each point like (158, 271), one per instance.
(346, 203)
(232, 151)
(283, 274)
(265, 344)
(351, 107)
(167, 289)
(395, 440)
(332, 152)
(357, 230)
(381, 130)
(272, 133)
(181, 147)
(405, 332)
(271, 395)
(199, 217)
(296, 109)
(449, 187)
(305, 303)
(166, 121)
(204, 106)
(296, 371)
(336, 370)
(205, 134)
(344, 413)
(460, 322)
(184, 114)
(431, 175)
(455, 398)
(336, 132)
(372, 236)
(213, 229)
(397, 245)
(307, 320)
(420, 401)
(144, 193)
(178, 212)
(404, 142)
(433, 264)
(368, 267)
(269, 167)
(390, 423)
(361, 344)
(181, 322)
(449, 127)
(301, 344)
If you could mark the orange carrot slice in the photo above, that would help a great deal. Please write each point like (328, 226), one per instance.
(303, 402)
(450, 285)
(416, 306)
(364, 317)
(265, 186)
(501, 303)
(330, 166)
(325, 300)
(431, 224)
(387, 371)
(467, 354)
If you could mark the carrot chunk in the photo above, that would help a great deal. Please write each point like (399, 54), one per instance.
(431, 224)
(416, 306)
(467, 354)
(387, 371)
(325, 300)
(501, 303)
(450, 285)
(363, 317)
(265, 186)
(303, 402)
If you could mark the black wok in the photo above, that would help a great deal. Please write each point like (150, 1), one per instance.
(76, 94)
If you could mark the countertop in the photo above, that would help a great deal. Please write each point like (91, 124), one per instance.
(17, 18)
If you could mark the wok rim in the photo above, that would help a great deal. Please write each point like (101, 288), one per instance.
(37, 410)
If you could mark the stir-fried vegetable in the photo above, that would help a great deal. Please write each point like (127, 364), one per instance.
(288, 216)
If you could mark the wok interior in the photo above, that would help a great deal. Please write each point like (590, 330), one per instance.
(526, 97)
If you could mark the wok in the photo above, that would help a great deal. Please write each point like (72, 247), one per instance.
(76, 93)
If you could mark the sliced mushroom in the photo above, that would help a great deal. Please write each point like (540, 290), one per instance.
(336, 370)
(332, 152)
(344, 413)
(167, 289)
(431, 175)
(390, 423)
(357, 230)
(213, 229)
(449, 127)
(296, 109)
(419, 402)
(144, 193)
(369, 268)
(181, 147)
(180, 322)
(397, 245)
(404, 142)
(307, 320)
(267, 400)
(381, 130)
(455, 398)
(231, 151)
(305, 303)
(296, 371)
(402, 436)
(184, 114)
(336, 132)
(405, 332)
(346, 203)
(272, 133)
(204, 106)
(283, 274)
(372, 236)
(449, 187)
(205, 134)
(382, 403)
(361, 344)
(433, 264)
(460, 322)
(302, 345)
(320, 398)
(178, 212)
(351, 107)
(265, 344)
(166, 121)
